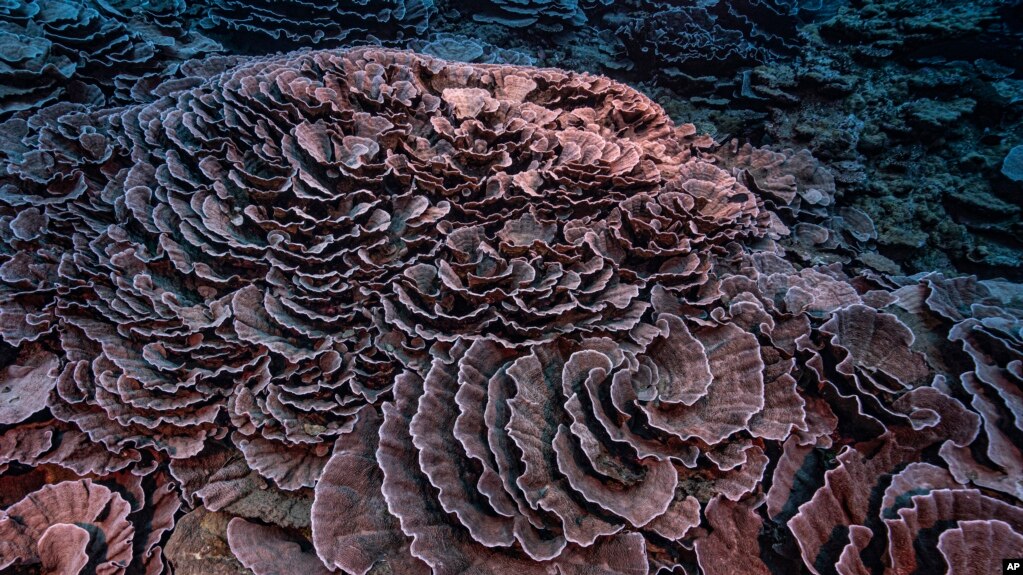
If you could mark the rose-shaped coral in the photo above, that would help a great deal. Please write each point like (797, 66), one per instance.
(367, 310)
(537, 448)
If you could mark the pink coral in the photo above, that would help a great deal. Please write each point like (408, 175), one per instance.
(358, 310)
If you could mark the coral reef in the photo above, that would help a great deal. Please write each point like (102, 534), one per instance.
(543, 15)
(61, 50)
(677, 40)
(367, 309)
(459, 48)
(913, 105)
(635, 40)
(265, 26)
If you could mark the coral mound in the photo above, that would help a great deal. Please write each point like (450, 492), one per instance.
(344, 311)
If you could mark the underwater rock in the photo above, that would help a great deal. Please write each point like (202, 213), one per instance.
(919, 29)
(1012, 166)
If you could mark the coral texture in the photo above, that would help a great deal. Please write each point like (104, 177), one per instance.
(62, 50)
(914, 105)
(363, 310)
(461, 48)
(687, 38)
(546, 15)
(262, 26)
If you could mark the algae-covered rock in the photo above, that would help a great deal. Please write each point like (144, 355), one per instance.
(1012, 166)
(934, 114)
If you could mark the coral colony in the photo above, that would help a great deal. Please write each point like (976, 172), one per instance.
(510, 287)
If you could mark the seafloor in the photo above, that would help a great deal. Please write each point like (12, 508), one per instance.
(511, 286)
